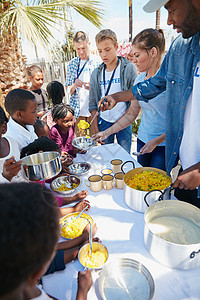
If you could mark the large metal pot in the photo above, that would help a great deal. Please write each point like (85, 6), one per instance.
(141, 200)
(41, 166)
(168, 253)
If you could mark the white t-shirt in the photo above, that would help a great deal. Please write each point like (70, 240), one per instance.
(116, 112)
(14, 151)
(189, 151)
(82, 92)
(22, 136)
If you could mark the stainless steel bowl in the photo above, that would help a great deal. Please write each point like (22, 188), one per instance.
(79, 168)
(57, 182)
(83, 143)
(41, 166)
(83, 252)
(125, 279)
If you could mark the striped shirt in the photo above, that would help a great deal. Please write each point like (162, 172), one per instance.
(72, 67)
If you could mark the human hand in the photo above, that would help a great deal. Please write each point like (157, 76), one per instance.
(86, 231)
(66, 159)
(84, 284)
(81, 205)
(87, 85)
(81, 195)
(108, 104)
(78, 83)
(100, 136)
(189, 179)
(148, 147)
(76, 150)
(11, 167)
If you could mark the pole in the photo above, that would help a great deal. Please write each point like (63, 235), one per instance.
(130, 21)
(158, 19)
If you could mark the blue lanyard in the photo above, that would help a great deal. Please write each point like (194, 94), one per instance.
(81, 70)
(111, 79)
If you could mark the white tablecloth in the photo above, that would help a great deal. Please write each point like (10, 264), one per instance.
(121, 231)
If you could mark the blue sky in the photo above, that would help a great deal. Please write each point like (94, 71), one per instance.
(116, 18)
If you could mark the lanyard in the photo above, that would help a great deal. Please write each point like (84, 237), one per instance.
(81, 70)
(111, 79)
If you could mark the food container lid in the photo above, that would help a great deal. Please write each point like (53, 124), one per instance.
(125, 279)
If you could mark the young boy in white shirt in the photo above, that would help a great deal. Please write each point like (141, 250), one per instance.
(21, 106)
(29, 231)
(113, 75)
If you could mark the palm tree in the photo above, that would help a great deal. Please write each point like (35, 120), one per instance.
(158, 19)
(34, 23)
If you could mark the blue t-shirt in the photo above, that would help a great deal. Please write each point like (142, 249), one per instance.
(153, 116)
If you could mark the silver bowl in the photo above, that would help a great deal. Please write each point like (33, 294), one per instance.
(125, 279)
(83, 252)
(79, 168)
(41, 166)
(83, 143)
(57, 182)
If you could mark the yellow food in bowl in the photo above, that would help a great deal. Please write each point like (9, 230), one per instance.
(148, 181)
(95, 260)
(64, 188)
(74, 227)
(83, 124)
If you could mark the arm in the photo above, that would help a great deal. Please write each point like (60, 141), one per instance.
(128, 118)
(189, 179)
(11, 168)
(84, 284)
(143, 91)
(152, 144)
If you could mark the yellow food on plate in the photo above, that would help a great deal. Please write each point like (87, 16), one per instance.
(83, 124)
(64, 188)
(74, 227)
(148, 181)
(95, 260)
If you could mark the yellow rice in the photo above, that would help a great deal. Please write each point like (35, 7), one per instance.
(73, 228)
(64, 188)
(148, 181)
(95, 260)
(83, 124)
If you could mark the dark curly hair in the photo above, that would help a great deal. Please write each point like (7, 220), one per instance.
(61, 110)
(3, 117)
(29, 231)
(18, 99)
(55, 91)
(43, 143)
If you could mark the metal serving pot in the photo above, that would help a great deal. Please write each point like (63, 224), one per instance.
(173, 255)
(140, 200)
(41, 166)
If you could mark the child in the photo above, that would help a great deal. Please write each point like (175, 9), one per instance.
(113, 75)
(21, 106)
(36, 77)
(63, 132)
(45, 144)
(33, 230)
(55, 91)
(41, 128)
(10, 164)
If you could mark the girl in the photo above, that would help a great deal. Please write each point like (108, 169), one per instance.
(35, 76)
(45, 144)
(56, 92)
(63, 132)
(147, 48)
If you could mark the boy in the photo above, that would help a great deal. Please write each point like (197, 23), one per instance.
(113, 75)
(10, 164)
(78, 77)
(28, 238)
(21, 106)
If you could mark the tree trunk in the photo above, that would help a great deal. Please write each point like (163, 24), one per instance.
(12, 65)
(158, 19)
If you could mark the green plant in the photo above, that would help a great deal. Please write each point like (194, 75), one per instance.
(135, 125)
